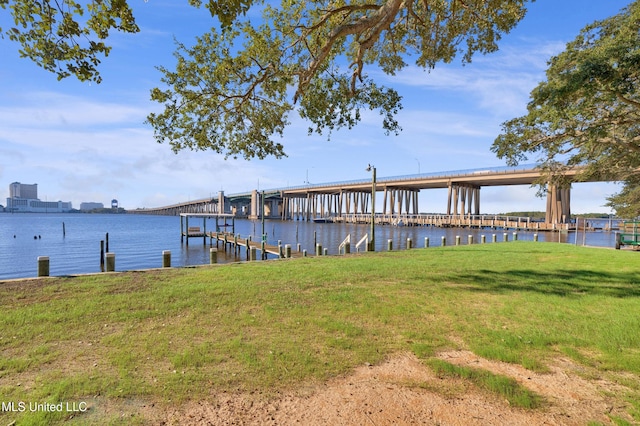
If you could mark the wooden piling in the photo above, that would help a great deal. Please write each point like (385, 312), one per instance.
(110, 262)
(213, 256)
(43, 266)
(166, 259)
(101, 255)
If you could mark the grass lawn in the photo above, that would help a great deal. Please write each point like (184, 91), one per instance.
(176, 335)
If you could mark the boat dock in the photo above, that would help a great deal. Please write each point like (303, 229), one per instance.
(237, 243)
(230, 240)
(187, 231)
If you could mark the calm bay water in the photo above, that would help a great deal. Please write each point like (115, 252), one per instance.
(138, 240)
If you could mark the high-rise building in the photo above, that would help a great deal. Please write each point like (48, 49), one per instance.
(24, 198)
(22, 190)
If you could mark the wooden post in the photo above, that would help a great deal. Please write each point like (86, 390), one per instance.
(389, 245)
(43, 266)
(252, 253)
(457, 240)
(426, 242)
(213, 255)
(166, 259)
(287, 251)
(101, 255)
(111, 262)
(444, 241)
(470, 239)
(186, 220)
(409, 244)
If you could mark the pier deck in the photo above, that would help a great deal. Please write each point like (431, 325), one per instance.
(471, 221)
(235, 242)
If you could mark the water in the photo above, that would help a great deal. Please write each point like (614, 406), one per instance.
(138, 240)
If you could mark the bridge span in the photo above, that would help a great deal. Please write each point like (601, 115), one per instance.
(338, 200)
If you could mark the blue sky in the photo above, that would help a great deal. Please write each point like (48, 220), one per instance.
(88, 142)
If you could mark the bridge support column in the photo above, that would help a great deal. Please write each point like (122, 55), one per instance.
(558, 204)
(468, 196)
(254, 204)
(221, 202)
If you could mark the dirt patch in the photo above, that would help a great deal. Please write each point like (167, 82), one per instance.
(403, 391)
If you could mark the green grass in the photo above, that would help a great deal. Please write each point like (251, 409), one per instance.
(182, 334)
(508, 388)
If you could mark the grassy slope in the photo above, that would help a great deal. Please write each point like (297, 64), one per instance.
(178, 334)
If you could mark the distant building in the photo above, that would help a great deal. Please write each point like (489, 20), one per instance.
(91, 206)
(114, 204)
(22, 190)
(24, 198)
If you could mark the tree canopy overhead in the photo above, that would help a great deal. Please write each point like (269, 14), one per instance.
(587, 112)
(233, 90)
(65, 37)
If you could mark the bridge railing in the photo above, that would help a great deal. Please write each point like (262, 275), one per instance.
(464, 172)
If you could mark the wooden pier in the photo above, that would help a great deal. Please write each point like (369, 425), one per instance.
(187, 231)
(470, 221)
(230, 240)
(237, 243)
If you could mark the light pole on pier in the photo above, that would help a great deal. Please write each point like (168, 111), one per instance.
(372, 240)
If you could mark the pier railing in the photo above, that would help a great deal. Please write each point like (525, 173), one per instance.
(461, 221)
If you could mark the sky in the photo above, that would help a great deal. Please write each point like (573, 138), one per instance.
(87, 142)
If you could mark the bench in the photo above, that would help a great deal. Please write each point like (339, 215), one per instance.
(194, 230)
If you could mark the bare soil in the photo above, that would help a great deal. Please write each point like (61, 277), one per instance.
(403, 391)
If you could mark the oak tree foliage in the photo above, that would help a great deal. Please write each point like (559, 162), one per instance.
(67, 37)
(234, 89)
(587, 112)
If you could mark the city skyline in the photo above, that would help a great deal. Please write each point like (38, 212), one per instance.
(84, 141)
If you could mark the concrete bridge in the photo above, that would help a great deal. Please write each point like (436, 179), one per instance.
(400, 196)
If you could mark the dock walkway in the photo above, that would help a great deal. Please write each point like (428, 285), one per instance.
(236, 243)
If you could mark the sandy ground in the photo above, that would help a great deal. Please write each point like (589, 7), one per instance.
(403, 391)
